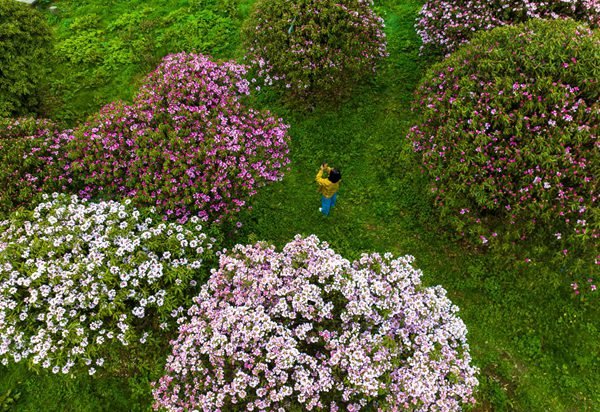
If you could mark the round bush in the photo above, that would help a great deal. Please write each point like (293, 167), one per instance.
(446, 24)
(186, 145)
(509, 133)
(79, 278)
(305, 329)
(29, 149)
(317, 48)
(24, 51)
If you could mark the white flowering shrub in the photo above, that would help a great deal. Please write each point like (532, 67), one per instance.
(305, 329)
(79, 278)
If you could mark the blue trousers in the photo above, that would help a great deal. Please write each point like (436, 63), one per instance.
(327, 204)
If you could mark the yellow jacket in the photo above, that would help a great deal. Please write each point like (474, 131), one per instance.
(325, 186)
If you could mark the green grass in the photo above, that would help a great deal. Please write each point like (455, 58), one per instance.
(104, 49)
(536, 345)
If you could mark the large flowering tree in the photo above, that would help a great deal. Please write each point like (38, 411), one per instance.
(316, 48)
(79, 280)
(187, 145)
(509, 134)
(446, 24)
(306, 329)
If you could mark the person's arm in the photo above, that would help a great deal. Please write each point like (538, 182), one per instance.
(319, 178)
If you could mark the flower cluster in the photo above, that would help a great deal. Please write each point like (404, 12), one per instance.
(77, 278)
(314, 47)
(28, 151)
(306, 329)
(186, 145)
(509, 134)
(445, 24)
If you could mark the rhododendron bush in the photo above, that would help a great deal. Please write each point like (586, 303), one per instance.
(446, 24)
(305, 329)
(28, 151)
(187, 145)
(314, 47)
(79, 278)
(509, 134)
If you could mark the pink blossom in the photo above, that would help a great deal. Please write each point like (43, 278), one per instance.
(305, 326)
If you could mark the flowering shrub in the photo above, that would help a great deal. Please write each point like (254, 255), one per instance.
(187, 145)
(306, 329)
(509, 134)
(314, 46)
(77, 278)
(28, 152)
(445, 24)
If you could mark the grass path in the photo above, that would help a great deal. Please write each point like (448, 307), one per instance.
(537, 347)
(365, 139)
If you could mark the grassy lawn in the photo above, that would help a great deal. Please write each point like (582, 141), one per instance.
(536, 345)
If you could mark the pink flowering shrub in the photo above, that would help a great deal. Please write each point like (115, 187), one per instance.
(187, 145)
(79, 279)
(446, 24)
(509, 135)
(314, 47)
(305, 329)
(28, 151)
(185, 83)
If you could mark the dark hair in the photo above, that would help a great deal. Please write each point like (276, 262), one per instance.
(334, 176)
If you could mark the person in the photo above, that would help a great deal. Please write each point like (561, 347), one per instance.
(328, 187)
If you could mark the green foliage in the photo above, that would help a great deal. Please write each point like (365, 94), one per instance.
(102, 52)
(8, 400)
(59, 393)
(89, 62)
(91, 44)
(202, 32)
(226, 8)
(24, 50)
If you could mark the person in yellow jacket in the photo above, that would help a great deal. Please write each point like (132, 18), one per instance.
(328, 187)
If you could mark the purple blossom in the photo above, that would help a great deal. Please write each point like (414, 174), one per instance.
(186, 146)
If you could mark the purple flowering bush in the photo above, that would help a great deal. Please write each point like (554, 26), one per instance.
(187, 145)
(446, 24)
(314, 47)
(509, 135)
(28, 151)
(305, 329)
(79, 279)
